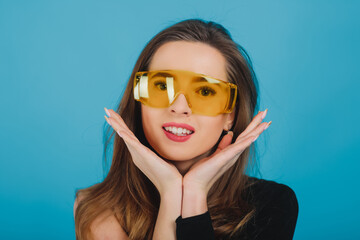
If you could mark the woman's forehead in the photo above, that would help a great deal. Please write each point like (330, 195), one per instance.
(190, 56)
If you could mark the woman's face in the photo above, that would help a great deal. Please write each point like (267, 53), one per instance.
(196, 57)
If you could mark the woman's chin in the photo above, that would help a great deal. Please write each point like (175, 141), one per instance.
(177, 158)
(183, 156)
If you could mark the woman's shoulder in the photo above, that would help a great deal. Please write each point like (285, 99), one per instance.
(105, 226)
(262, 187)
(276, 209)
(271, 197)
(78, 199)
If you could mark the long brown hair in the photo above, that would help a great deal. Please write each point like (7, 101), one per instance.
(128, 193)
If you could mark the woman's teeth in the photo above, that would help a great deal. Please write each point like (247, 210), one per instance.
(178, 131)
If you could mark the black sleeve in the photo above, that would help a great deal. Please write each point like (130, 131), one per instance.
(197, 227)
(275, 218)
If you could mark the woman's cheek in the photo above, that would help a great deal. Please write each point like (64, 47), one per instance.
(149, 123)
(210, 134)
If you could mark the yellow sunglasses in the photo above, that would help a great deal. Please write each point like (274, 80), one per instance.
(205, 95)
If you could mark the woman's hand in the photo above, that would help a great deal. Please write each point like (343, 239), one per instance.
(162, 174)
(203, 174)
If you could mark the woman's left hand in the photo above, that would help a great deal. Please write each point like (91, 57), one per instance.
(203, 174)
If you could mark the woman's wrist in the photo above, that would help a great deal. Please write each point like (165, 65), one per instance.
(194, 201)
(171, 198)
(171, 189)
(169, 211)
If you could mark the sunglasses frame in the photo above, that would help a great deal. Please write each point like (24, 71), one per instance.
(232, 87)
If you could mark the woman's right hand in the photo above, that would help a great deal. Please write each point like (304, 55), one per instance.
(162, 174)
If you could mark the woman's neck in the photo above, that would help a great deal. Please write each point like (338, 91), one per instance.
(185, 165)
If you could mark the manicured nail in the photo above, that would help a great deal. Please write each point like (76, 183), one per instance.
(230, 133)
(264, 114)
(255, 138)
(119, 133)
(107, 111)
(108, 121)
(267, 125)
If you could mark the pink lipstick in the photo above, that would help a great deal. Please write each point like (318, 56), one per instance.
(171, 130)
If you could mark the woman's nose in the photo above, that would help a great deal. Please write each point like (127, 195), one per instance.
(180, 106)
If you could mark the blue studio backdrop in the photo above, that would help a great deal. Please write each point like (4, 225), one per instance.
(62, 62)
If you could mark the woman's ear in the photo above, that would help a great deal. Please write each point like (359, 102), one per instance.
(229, 121)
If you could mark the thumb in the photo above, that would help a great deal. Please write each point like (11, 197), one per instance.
(225, 141)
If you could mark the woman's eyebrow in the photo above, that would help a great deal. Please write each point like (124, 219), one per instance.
(200, 79)
(195, 79)
(162, 74)
(206, 79)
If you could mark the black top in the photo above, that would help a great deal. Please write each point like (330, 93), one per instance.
(275, 218)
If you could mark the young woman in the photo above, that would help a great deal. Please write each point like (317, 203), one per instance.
(184, 132)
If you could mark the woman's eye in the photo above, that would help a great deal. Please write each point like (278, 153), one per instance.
(161, 85)
(206, 91)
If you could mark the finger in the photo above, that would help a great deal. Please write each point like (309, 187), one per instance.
(116, 119)
(124, 132)
(254, 132)
(238, 147)
(231, 150)
(131, 141)
(114, 115)
(119, 125)
(225, 141)
(230, 155)
(254, 123)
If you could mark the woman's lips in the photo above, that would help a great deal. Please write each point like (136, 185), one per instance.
(173, 136)
(177, 138)
(178, 125)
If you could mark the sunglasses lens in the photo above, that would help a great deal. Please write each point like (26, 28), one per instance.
(205, 95)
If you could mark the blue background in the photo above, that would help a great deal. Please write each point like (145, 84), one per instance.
(61, 62)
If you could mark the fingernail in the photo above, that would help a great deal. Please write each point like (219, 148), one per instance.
(267, 125)
(108, 121)
(230, 133)
(264, 114)
(107, 111)
(119, 133)
(255, 138)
